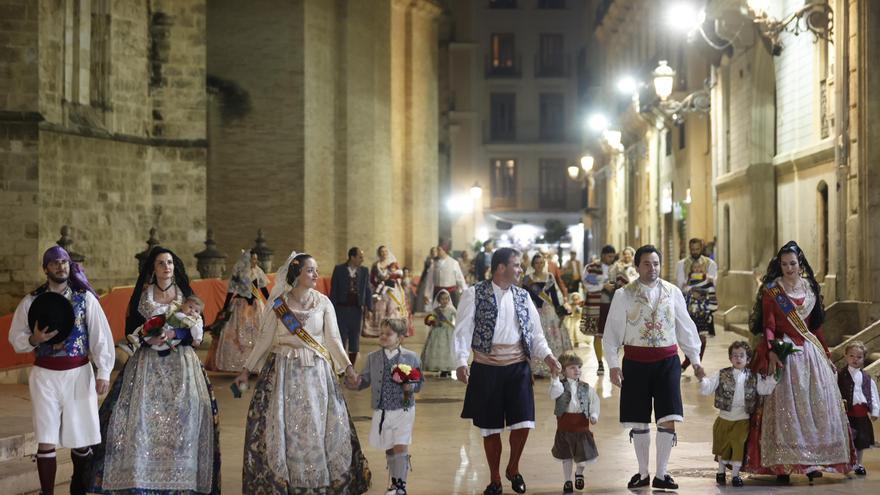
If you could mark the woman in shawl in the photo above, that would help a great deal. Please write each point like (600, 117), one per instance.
(801, 427)
(242, 312)
(389, 300)
(159, 424)
(299, 438)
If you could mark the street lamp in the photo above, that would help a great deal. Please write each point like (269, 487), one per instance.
(664, 80)
(627, 85)
(476, 191)
(573, 172)
(597, 122)
(587, 162)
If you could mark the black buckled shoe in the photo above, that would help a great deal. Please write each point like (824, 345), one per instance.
(401, 487)
(813, 475)
(667, 483)
(721, 478)
(516, 482)
(736, 481)
(579, 482)
(860, 470)
(493, 489)
(783, 479)
(638, 482)
(567, 488)
(601, 370)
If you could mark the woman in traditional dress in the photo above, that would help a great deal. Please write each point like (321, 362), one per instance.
(242, 312)
(299, 438)
(159, 424)
(623, 271)
(383, 275)
(801, 427)
(542, 288)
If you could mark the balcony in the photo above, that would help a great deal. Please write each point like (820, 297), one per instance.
(510, 68)
(549, 69)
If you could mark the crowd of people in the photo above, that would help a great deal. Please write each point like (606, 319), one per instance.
(496, 322)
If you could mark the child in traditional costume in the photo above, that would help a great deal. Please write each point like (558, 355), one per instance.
(394, 374)
(577, 407)
(437, 353)
(862, 403)
(736, 390)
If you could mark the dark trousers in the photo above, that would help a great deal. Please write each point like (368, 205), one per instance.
(349, 319)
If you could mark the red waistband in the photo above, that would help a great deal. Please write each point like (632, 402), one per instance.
(61, 363)
(649, 354)
(858, 411)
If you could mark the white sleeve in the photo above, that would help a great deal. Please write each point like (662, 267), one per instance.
(198, 329)
(712, 270)
(615, 329)
(101, 348)
(594, 404)
(540, 348)
(19, 331)
(875, 400)
(685, 330)
(709, 383)
(464, 327)
(264, 342)
(680, 278)
(766, 384)
(556, 388)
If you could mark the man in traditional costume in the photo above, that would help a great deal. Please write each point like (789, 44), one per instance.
(63, 388)
(695, 276)
(444, 274)
(649, 319)
(351, 297)
(600, 289)
(498, 321)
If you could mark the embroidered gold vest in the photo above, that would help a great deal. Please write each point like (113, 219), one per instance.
(650, 325)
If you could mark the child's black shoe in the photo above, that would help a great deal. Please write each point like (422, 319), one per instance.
(579, 481)
(721, 478)
(736, 481)
(567, 488)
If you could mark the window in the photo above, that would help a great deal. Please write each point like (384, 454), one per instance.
(503, 116)
(552, 183)
(551, 4)
(822, 222)
(503, 173)
(502, 4)
(552, 116)
(667, 142)
(551, 61)
(100, 50)
(502, 60)
(681, 135)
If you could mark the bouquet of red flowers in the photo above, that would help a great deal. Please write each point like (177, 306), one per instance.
(431, 320)
(154, 327)
(405, 374)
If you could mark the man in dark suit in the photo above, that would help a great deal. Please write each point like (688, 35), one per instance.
(351, 296)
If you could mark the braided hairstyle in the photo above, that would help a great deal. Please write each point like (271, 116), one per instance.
(774, 271)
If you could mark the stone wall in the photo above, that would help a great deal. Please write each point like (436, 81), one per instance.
(87, 141)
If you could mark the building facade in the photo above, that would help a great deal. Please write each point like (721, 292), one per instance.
(513, 117)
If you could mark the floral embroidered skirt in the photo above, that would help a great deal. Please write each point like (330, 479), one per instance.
(557, 338)
(299, 437)
(802, 424)
(237, 337)
(159, 426)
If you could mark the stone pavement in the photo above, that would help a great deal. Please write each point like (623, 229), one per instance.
(448, 453)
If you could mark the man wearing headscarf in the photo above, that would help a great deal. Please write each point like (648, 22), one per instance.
(63, 388)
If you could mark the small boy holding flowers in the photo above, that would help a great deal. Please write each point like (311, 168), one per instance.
(394, 374)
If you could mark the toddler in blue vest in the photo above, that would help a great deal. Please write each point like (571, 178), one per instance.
(736, 391)
(862, 404)
(394, 410)
(577, 407)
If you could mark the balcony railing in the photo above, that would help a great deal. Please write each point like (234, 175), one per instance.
(504, 68)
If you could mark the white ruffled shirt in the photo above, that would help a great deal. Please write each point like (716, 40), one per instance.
(737, 411)
(859, 396)
(506, 326)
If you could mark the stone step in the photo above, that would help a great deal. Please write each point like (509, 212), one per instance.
(17, 445)
(740, 328)
(846, 336)
(19, 476)
(873, 357)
